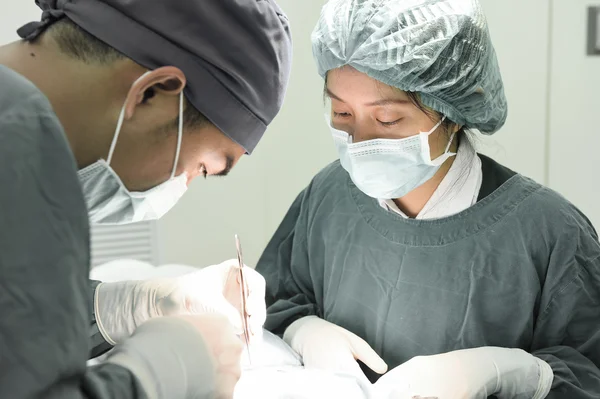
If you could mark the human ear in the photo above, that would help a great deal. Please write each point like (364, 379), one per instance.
(167, 80)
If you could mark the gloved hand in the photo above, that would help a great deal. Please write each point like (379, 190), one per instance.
(324, 345)
(183, 357)
(469, 374)
(123, 306)
(225, 349)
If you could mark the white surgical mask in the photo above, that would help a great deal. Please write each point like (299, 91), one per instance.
(388, 168)
(110, 202)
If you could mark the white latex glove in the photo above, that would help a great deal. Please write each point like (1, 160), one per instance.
(199, 359)
(469, 374)
(324, 345)
(226, 351)
(121, 307)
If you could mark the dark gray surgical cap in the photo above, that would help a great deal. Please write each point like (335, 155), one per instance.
(236, 54)
(438, 48)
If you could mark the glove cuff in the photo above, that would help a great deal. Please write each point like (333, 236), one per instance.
(99, 323)
(121, 307)
(521, 374)
(546, 379)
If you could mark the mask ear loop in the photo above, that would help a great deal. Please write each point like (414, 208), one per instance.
(116, 136)
(179, 135)
(451, 137)
(111, 151)
(425, 143)
(449, 143)
(436, 126)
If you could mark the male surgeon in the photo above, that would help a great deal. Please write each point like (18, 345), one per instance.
(108, 109)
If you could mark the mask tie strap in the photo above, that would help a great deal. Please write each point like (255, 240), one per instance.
(179, 135)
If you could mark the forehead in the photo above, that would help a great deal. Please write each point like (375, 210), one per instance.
(347, 81)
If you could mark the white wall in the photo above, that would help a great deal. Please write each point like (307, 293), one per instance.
(254, 198)
(519, 32)
(557, 147)
(575, 110)
(14, 15)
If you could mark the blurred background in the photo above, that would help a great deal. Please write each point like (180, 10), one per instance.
(552, 82)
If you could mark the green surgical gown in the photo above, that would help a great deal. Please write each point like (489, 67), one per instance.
(519, 269)
(45, 293)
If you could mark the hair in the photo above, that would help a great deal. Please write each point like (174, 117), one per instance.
(78, 44)
(449, 126)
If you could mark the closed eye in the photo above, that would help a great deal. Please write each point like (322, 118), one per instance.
(341, 114)
(392, 123)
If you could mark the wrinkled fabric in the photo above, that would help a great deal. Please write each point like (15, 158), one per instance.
(519, 269)
(236, 54)
(44, 259)
(440, 49)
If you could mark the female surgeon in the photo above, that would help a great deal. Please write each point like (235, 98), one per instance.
(415, 254)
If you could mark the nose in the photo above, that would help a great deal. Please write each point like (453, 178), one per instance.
(191, 176)
(195, 173)
(363, 130)
(362, 134)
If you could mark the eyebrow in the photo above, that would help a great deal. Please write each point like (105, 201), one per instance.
(228, 166)
(378, 103)
(331, 95)
(387, 101)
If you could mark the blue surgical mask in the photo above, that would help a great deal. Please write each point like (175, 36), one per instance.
(110, 202)
(388, 168)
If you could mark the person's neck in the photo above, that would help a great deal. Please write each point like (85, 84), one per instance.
(73, 88)
(413, 203)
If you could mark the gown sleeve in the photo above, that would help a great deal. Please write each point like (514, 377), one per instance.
(44, 263)
(567, 329)
(290, 293)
